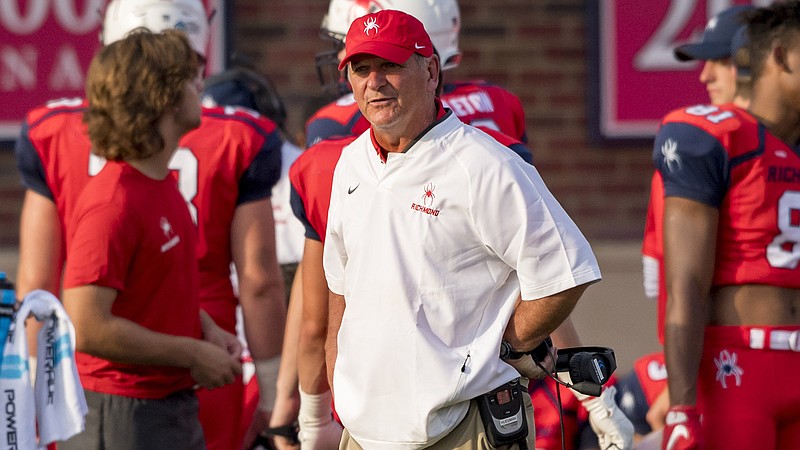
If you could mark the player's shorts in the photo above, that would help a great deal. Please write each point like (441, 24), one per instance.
(126, 423)
(746, 389)
(220, 414)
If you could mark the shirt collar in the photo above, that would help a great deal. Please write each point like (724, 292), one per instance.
(440, 113)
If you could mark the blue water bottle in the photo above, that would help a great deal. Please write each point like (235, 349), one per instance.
(7, 302)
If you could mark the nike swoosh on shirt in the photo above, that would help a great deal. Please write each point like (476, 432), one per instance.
(353, 189)
(680, 431)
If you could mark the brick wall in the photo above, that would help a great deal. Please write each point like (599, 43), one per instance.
(10, 199)
(535, 48)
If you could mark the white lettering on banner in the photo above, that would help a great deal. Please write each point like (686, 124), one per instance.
(67, 73)
(17, 68)
(36, 12)
(657, 53)
(11, 18)
(69, 19)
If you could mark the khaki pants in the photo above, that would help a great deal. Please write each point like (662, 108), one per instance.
(469, 434)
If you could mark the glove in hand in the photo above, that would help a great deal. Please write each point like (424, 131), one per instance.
(682, 430)
(613, 429)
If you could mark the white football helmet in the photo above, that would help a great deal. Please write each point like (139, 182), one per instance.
(441, 18)
(123, 16)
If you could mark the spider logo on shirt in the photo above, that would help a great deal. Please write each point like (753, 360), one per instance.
(428, 196)
(670, 152)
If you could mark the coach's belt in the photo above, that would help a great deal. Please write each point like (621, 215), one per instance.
(775, 339)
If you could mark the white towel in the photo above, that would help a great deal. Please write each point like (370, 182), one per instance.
(57, 402)
(18, 423)
(60, 403)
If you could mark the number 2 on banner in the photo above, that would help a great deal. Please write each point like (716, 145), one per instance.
(657, 53)
(784, 250)
(184, 162)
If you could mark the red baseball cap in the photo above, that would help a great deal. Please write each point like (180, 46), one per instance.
(388, 34)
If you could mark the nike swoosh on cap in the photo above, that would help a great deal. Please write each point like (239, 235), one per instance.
(418, 47)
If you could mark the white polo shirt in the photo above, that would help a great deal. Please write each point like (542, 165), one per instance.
(431, 250)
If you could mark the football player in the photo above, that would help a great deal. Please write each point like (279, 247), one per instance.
(225, 170)
(730, 252)
(715, 49)
(243, 86)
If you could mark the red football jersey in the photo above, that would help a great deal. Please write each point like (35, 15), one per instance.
(723, 157)
(53, 154)
(651, 372)
(134, 234)
(477, 103)
(232, 158)
(485, 105)
(653, 247)
(311, 176)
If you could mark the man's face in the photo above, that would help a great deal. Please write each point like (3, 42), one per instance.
(789, 63)
(719, 76)
(189, 110)
(392, 96)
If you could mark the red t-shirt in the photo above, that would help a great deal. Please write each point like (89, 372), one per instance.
(135, 235)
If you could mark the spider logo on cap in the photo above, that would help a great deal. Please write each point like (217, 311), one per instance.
(370, 24)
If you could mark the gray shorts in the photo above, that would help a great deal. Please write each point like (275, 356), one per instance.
(123, 423)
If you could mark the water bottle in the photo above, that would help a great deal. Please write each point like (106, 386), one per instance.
(7, 302)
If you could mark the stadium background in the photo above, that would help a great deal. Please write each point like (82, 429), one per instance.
(545, 52)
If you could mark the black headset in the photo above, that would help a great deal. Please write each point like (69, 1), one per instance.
(589, 368)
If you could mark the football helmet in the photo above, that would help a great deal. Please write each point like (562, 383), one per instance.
(123, 16)
(441, 18)
(243, 85)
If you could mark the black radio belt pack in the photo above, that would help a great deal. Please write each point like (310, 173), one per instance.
(503, 415)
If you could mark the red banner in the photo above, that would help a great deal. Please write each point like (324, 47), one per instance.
(46, 47)
(639, 78)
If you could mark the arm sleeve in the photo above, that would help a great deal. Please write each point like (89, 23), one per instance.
(693, 164)
(263, 172)
(30, 164)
